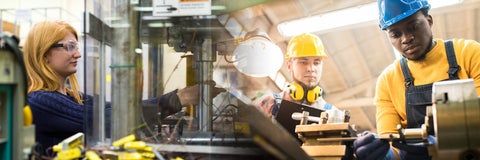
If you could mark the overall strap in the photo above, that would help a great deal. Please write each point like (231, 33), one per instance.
(452, 61)
(406, 73)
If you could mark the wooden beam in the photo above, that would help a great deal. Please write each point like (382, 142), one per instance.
(356, 102)
(362, 87)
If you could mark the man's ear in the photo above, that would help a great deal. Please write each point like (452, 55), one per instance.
(289, 64)
(430, 20)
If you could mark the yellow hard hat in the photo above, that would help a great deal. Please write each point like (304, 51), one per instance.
(305, 45)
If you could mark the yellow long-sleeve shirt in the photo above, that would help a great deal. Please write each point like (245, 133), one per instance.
(390, 88)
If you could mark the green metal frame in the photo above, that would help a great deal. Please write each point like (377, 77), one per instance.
(7, 109)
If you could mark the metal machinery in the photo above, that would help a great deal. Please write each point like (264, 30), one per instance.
(16, 139)
(456, 120)
(238, 131)
(324, 140)
(453, 119)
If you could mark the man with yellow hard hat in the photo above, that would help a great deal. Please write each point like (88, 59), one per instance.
(304, 59)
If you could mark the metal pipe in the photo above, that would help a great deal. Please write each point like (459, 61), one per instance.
(100, 110)
(211, 140)
(305, 117)
(207, 149)
(205, 59)
(125, 101)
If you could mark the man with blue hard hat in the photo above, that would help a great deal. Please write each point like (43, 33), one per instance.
(404, 89)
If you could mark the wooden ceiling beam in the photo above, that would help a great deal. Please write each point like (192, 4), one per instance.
(350, 92)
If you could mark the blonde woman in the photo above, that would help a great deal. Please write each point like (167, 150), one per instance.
(51, 57)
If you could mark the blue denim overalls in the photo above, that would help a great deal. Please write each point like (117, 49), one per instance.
(419, 97)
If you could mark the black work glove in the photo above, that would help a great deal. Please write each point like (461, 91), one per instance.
(189, 95)
(414, 151)
(369, 147)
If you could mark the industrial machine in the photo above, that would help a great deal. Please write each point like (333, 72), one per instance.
(323, 140)
(16, 133)
(249, 136)
(456, 120)
(453, 120)
(230, 130)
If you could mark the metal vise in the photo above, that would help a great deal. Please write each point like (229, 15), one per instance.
(325, 140)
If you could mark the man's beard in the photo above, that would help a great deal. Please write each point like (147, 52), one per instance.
(310, 85)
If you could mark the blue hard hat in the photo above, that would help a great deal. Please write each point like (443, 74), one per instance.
(393, 11)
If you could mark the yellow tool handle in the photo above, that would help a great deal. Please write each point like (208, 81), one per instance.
(91, 155)
(27, 116)
(124, 140)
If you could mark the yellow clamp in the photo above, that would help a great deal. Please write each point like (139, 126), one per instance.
(123, 140)
(59, 147)
(137, 145)
(130, 156)
(91, 155)
(27, 116)
(69, 154)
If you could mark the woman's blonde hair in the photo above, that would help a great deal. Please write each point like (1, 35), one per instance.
(39, 41)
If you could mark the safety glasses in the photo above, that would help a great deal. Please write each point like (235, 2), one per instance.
(71, 46)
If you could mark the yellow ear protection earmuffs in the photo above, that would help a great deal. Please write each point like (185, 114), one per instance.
(297, 92)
